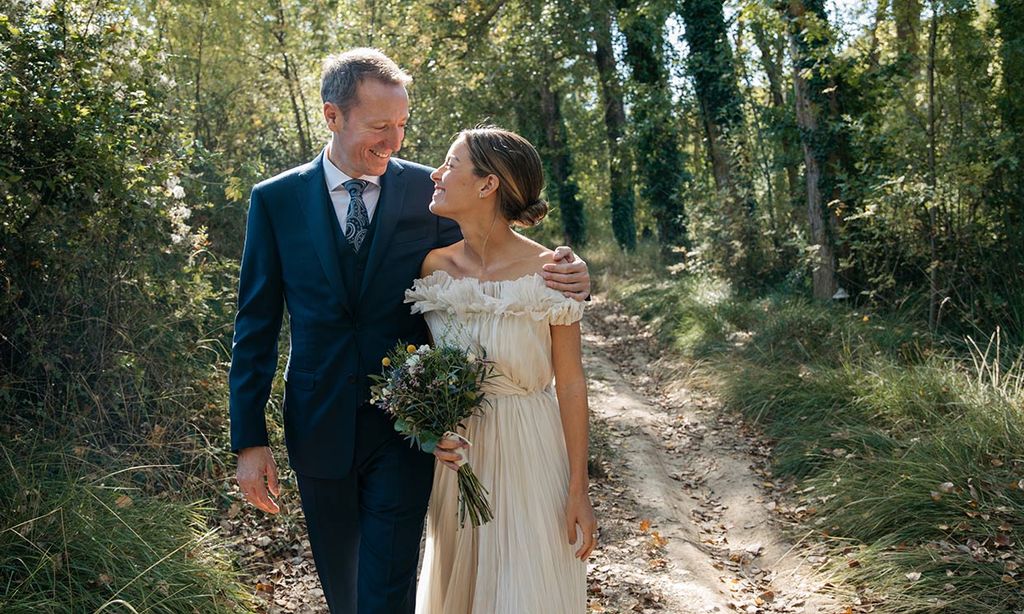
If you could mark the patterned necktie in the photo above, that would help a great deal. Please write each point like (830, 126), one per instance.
(357, 221)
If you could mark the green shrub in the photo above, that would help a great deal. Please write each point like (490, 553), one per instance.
(111, 319)
(908, 449)
(112, 333)
(78, 538)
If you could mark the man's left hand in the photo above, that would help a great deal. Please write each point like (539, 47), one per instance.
(568, 274)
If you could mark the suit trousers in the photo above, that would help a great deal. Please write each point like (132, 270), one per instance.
(365, 528)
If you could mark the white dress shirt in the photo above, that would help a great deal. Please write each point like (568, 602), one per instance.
(339, 195)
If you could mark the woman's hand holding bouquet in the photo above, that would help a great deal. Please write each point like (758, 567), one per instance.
(431, 391)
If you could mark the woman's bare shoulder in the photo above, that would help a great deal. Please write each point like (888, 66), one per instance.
(440, 259)
(534, 257)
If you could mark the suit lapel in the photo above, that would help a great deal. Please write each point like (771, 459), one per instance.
(319, 212)
(389, 211)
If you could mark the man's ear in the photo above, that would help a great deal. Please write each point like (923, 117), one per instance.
(334, 117)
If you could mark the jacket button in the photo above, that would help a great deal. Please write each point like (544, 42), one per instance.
(351, 379)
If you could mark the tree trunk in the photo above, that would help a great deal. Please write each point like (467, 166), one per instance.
(660, 159)
(291, 79)
(771, 62)
(907, 14)
(714, 76)
(559, 163)
(809, 96)
(933, 266)
(620, 159)
(1010, 21)
(880, 9)
(197, 131)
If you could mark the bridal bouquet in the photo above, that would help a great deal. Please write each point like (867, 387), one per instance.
(431, 391)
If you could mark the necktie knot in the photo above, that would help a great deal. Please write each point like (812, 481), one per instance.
(355, 187)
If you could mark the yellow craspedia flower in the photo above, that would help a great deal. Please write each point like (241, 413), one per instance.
(410, 348)
(385, 361)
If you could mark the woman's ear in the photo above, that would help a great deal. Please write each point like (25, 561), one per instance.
(488, 187)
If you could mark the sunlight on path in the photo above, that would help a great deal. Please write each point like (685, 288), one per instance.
(685, 526)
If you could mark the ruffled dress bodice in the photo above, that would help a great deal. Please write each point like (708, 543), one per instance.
(508, 320)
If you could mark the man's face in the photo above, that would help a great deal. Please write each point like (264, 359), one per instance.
(373, 130)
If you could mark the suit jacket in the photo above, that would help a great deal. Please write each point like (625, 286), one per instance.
(338, 334)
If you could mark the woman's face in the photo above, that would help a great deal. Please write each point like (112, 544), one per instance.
(457, 187)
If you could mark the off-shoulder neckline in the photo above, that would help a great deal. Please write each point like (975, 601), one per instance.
(525, 295)
(481, 282)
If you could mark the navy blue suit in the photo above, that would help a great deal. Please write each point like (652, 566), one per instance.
(364, 490)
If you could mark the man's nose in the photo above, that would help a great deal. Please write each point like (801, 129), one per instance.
(395, 136)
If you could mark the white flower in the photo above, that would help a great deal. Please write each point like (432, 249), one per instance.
(470, 357)
(180, 212)
(413, 360)
(423, 349)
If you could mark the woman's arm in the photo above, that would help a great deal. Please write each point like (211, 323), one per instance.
(571, 389)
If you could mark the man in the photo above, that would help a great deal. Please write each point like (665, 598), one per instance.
(338, 241)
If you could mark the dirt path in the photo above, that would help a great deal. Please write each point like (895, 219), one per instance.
(685, 504)
(681, 489)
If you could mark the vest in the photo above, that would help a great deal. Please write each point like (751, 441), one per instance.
(353, 264)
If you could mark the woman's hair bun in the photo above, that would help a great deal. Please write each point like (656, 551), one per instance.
(532, 214)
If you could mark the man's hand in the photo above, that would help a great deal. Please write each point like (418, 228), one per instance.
(568, 274)
(254, 465)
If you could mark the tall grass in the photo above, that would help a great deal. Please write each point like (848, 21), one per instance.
(76, 537)
(908, 448)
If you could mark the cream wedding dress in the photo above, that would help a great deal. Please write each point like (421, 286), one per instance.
(521, 561)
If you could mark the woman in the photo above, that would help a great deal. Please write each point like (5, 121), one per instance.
(529, 445)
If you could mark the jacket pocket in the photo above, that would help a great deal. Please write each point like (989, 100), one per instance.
(297, 378)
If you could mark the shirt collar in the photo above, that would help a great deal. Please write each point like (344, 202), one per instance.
(336, 177)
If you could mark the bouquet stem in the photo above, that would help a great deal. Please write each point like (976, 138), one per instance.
(472, 499)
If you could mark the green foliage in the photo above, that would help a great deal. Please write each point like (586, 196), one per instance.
(660, 163)
(1009, 19)
(108, 295)
(113, 321)
(78, 538)
(906, 447)
(660, 160)
(712, 68)
(710, 62)
(886, 215)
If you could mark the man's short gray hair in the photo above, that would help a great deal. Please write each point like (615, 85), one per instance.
(342, 74)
